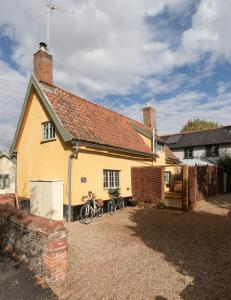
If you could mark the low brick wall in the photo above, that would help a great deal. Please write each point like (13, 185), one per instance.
(147, 184)
(7, 199)
(41, 242)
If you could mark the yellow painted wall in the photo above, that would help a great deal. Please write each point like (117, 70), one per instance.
(90, 164)
(146, 140)
(49, 160)
(38, 160)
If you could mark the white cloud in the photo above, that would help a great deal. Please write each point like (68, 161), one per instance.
(210, 31)
(107, 47)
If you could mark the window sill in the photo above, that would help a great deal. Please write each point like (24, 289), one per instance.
(47, 141)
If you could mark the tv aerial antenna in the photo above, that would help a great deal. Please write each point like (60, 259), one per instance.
(50, 9)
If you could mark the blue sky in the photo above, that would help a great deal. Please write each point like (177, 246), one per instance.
(172, 54)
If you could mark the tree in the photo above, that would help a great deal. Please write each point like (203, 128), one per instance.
(199, 124)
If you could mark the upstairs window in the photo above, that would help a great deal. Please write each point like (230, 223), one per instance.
(159, 147)
(4, 181)
(48, 131)
(188, 152)
(111, 179)
(212, 151)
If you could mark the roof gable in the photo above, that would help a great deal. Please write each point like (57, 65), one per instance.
(33, 83)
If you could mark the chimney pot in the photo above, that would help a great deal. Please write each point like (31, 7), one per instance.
(43, 46)
(43, 65)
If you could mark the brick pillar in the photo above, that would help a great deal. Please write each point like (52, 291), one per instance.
(185, 205)
(55, 256)
(162, 197)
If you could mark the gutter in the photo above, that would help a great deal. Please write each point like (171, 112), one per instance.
(70, 158)
(106, 147)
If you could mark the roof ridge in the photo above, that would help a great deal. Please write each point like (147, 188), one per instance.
(98, 105)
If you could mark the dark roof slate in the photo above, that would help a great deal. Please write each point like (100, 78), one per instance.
(216, 136)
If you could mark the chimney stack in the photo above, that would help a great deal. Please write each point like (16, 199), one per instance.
(43, 65)
(149, 115)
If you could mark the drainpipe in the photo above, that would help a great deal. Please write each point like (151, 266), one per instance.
(14, 158)
(74, 154)
(154, 142)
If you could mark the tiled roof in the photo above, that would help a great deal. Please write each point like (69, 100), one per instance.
(220, 135)
(89, 122)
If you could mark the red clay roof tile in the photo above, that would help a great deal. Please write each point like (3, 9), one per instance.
(90, 122)
(87, 121)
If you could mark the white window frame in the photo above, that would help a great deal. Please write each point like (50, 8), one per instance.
(4, 181)
(187, 151)
(168, 174)
(111, 179)
(48, 131)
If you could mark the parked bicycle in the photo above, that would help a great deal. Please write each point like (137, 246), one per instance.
(115, 202)
(92, 207)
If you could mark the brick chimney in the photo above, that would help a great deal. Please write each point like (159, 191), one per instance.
(149, 115)
(43, 65)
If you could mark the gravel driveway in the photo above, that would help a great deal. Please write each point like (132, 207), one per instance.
(146, 253)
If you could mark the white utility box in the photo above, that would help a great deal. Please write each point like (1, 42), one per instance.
(47, 198)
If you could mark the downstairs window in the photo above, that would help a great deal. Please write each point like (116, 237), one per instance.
(111, 179)
(4, 181)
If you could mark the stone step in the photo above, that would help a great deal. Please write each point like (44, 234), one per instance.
(173, 195)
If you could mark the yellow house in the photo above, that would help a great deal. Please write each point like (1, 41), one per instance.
(91, 148)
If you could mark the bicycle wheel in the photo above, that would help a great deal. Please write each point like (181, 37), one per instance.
(111, 207)
(86, 214)
(121, 203)
(99, 211)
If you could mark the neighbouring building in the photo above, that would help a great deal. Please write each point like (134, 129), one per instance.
(61, 136)
(7, 174)
(200, 147)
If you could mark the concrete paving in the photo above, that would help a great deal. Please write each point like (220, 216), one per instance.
(18, 283)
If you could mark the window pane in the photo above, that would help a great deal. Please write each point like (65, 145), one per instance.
(111, 179)
(105, 183)
(188, 152)
(6, 181)
(1, 182)
(48, 131)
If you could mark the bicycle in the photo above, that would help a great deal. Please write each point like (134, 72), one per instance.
(111, 206)
(90, 209)
(119, 202)
(114, 203)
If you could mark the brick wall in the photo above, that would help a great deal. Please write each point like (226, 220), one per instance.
(7, 199)
(41, 242)
(204, 181)
(147, 184)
